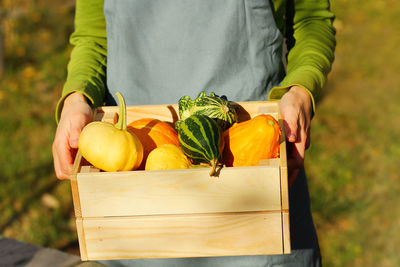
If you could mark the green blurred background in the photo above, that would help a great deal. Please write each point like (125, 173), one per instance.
(351, 164)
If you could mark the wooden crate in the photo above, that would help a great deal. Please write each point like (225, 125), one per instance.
(182, 213)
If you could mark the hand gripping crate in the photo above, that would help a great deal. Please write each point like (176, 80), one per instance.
(182, 213)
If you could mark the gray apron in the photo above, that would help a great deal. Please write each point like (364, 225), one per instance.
(161, 50)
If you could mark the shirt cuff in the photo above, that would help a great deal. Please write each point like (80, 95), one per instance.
(83, 87)
(276, 93)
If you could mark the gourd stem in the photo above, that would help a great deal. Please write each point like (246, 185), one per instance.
(121, 124)
(214, 163)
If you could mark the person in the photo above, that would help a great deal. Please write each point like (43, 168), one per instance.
(154, 52)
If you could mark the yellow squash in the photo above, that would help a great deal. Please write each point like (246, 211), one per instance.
(167, 157)
(111, 147)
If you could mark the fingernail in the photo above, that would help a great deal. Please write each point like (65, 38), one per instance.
(73, 142)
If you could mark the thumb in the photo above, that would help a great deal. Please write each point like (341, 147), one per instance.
(75, 131)
(291, 129)
(290, 120)
(74, 137)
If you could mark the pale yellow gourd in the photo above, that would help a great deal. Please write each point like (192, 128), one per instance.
(111, 147)
(167, 157)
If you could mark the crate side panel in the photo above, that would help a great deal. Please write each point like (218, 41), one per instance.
(184, 236)
(179, 191)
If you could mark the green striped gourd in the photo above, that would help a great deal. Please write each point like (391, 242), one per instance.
(200, 139)
(213, 106)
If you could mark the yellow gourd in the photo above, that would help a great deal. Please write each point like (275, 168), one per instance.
(167, 157)
(111, 147)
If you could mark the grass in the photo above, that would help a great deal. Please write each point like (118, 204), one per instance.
(351, 164)
(35, 206)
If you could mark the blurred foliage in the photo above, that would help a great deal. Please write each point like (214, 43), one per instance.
(35, 56)
(351, 164)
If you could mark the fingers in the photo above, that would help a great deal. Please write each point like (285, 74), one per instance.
(65, 145)
(76, 129)
(296, 154)
(308, 139)
(290, 116)
(295, 160)
(63, 159)
(296, 114)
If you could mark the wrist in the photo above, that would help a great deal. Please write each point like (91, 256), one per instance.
(75, 101)
(301, 91)
(74, 98)
(304, 96)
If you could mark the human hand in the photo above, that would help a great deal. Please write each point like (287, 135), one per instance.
(75, 114)
(296, 110)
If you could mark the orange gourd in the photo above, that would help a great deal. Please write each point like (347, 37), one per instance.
(248, 142)
(153, 133)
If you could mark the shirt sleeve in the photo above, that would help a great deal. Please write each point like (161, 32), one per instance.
(86, 72)
(311, 43)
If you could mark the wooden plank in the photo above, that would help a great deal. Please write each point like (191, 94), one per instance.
(284, 176)
(246, 110)
(74, 185)
(89, 169)
(282, 146)
(179, 191)
(81, 237)
(286, 232)
(269, 162)
(284, 188)
(283, 166)
(77, 205)
(111, 117)
(162, 112)
(270, 108)
(184, 236)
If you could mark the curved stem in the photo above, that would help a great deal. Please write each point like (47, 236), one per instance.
(214, 163)
(121, 124)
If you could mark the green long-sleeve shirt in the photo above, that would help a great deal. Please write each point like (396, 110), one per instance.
(306, 25)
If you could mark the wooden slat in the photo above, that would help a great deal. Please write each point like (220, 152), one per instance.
(179, 191)
(77, 205)
(284, 188)
(74, 184)
(271, 108)
(282, 146)
(269, 162)
(184, 236)
(162, 112)
(82, 238)
(283, 166)
(169, 113)
(89, 169)
(111, 117)
(286, 232)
